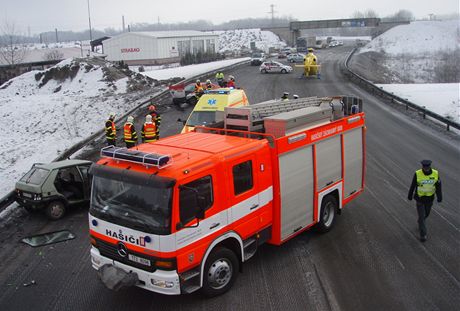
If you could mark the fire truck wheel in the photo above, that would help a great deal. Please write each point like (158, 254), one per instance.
(328, 211)
(220, 272)
(55, 210)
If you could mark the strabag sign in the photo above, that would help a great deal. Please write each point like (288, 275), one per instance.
(130, 50)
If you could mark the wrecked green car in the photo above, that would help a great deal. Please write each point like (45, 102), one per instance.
(54, 187)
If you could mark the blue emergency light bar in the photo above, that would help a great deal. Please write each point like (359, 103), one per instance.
(219, 91)
(130, 155)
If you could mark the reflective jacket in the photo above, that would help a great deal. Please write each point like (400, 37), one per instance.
(426, 184)
(110, 130)
(129, 133)
(149, 132)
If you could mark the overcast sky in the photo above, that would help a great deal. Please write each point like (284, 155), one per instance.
(46, 15)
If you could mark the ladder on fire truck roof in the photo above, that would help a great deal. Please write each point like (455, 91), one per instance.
(284, 117)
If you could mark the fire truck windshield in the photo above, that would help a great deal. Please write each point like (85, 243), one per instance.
(140, 206)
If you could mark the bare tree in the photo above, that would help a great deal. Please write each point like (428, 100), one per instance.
(369, 13)
(53, 55)
(11, 49)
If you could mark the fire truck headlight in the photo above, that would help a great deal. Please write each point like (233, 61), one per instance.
(162, 283)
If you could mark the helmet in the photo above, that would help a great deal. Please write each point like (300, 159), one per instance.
(231, 77)
(310, 49)
(152, 108)
(198, 81)
(112, 115)
(286, 93)
(148, 118)
(295, 96)
(130, 119)
(208, 81)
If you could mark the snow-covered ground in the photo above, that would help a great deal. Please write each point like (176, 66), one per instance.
(418, 52)
(442, 98)
(191, 70)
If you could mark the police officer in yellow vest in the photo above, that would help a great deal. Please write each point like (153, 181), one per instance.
(426, 183)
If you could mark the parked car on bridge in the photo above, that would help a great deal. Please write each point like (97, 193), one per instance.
(272, 66)
(295, 58)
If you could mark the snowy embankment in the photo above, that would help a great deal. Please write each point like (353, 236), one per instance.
(41, 122)
(442, 98)
(423, 52)
(240, 39)
(191, 70)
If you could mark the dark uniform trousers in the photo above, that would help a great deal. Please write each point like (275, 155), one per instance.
(423, 210)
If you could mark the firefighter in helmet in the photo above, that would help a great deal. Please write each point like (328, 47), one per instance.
(231, 82)
(110, 130)
(198, 89)
(208, 85)
(149, 130)
(129, 133)
(220, 78)
(285, 96)
(156, 118)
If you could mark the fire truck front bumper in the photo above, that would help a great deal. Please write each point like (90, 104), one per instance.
(115, 274)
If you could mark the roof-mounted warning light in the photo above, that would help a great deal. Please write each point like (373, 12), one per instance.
(136, 156)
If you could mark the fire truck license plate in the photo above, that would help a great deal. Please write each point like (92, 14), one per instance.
(140, 260)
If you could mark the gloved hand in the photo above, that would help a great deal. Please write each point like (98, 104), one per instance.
(409, 197)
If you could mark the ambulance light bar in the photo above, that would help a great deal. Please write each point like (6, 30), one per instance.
(130, 155)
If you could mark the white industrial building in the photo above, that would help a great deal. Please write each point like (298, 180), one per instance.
(159, 47)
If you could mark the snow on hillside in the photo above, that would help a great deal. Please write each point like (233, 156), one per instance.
(420, 52)
(417, 38)
(235, 40)
(40, 122)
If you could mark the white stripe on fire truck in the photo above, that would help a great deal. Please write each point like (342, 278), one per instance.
(186, 236)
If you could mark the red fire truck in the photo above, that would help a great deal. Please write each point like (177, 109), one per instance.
(184, 213)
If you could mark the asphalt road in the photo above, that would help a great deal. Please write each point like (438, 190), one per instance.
(371, 260)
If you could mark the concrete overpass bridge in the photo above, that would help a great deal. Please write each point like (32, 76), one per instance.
(353, 27)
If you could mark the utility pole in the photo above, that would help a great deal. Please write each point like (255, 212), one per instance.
(55, 31)
(89, 19)
(272, 12)
(123, 22)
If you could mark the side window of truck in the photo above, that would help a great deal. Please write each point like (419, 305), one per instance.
(242, 177)
(188, 205)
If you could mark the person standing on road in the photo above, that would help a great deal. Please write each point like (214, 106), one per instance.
(110, 130)
(129, 133)
(149, 130)
(156, 118)
(426, 183)
(285, 96)
(231, 82)
(220, 78)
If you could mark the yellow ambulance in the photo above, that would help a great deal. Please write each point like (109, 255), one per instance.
(210, 107)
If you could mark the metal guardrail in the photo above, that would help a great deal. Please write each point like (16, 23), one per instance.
(394, 98)
(10, 197)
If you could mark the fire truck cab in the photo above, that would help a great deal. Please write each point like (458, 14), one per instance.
(185, 212)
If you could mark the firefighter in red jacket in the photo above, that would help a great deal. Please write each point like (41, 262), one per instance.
(156, 118)
(129, 133)
(149, 130)
(198, 89)
(110, 130)
(231, 82)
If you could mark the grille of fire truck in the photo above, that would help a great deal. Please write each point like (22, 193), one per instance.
(130, 155)
(111, 251)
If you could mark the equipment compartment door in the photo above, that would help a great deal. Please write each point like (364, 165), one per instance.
(353, 153)
(296, 185)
